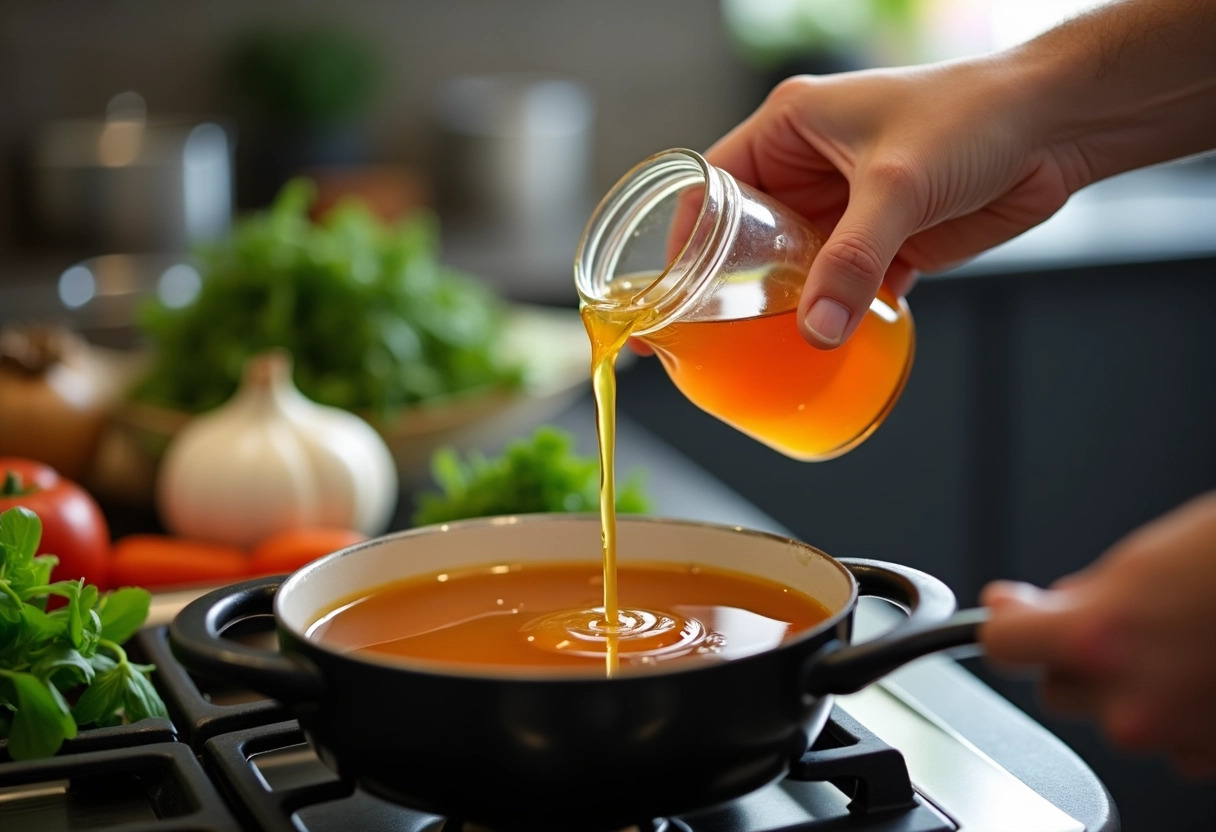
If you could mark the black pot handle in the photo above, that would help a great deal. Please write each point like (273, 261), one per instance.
(932, 625)
(194, 637)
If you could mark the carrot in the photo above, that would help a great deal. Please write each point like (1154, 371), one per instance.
(288, 550)
(156, 561)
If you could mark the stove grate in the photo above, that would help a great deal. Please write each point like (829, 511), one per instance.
(144, 732)
(151, 788)
(853, 759)
(200, 709)
(275, 779)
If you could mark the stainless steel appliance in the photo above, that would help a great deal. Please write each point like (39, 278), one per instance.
(131, 181)
(513, 154)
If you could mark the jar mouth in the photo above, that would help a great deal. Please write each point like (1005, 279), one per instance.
(645, 241)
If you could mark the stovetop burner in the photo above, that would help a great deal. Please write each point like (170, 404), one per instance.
(264, 764)
(158, 787)
(228, 761)
(657, 825)
(272, 774)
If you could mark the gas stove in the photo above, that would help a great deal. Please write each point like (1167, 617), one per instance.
(228, 760)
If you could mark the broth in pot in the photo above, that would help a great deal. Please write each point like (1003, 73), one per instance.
(543, 617)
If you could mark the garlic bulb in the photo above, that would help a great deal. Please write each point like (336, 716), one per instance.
(270, 459)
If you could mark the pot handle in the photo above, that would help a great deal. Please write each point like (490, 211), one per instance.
(932, 625)
(195, 639)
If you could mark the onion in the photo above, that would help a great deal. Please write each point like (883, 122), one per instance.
(52, 403)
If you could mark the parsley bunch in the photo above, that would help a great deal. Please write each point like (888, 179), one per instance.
(539, 474)
(373, 321)
(75, 647)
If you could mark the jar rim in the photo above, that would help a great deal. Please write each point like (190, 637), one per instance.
(617, 217)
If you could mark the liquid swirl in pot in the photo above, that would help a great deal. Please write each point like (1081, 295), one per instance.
(544, 616)
(640, 636)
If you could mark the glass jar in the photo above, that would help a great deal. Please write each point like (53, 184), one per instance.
(707, 271)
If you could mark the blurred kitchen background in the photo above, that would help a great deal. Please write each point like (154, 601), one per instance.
(1065, 385)
(449, 104)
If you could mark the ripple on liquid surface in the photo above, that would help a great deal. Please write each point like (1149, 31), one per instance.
(642, 635)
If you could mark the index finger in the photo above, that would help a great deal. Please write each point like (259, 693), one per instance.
(735, 154)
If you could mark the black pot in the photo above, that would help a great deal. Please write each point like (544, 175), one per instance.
(518, 752)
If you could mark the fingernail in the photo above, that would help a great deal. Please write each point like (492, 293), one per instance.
(827, 319)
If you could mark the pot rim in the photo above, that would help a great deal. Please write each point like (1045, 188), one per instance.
(507, 674)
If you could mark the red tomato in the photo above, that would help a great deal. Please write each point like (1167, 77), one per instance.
(73, 527)
(288, 550)
(157, 561)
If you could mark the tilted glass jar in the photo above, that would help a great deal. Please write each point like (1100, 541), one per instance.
(708, 271)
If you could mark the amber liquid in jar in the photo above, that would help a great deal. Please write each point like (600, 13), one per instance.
(759, 375)
(743, 360)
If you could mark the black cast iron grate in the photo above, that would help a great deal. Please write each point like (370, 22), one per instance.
(150, 788)
(144, 732)
(258, 773)
(858, 763)
(657, 825)
(199, 708)
(278, 785)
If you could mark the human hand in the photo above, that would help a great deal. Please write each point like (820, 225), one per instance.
(911, 170)
(1128, 640)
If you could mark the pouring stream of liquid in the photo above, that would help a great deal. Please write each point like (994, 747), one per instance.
(608, 335)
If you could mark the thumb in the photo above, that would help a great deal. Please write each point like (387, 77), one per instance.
(848, 270)
(1027, 623)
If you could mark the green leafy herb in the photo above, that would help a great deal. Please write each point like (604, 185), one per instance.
(371, 319)
(307, 76)
(539, 474)
(77, 646)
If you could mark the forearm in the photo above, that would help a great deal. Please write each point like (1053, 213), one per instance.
(1127, 85)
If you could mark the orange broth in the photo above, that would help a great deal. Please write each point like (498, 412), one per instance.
(547, 616)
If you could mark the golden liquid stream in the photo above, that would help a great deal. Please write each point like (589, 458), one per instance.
(608, 334)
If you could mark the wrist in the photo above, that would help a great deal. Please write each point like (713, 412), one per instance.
(1014, 102)
(1044, 96)
(1129, 85)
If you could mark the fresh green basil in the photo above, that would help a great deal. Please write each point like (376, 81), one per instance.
(75, 647)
